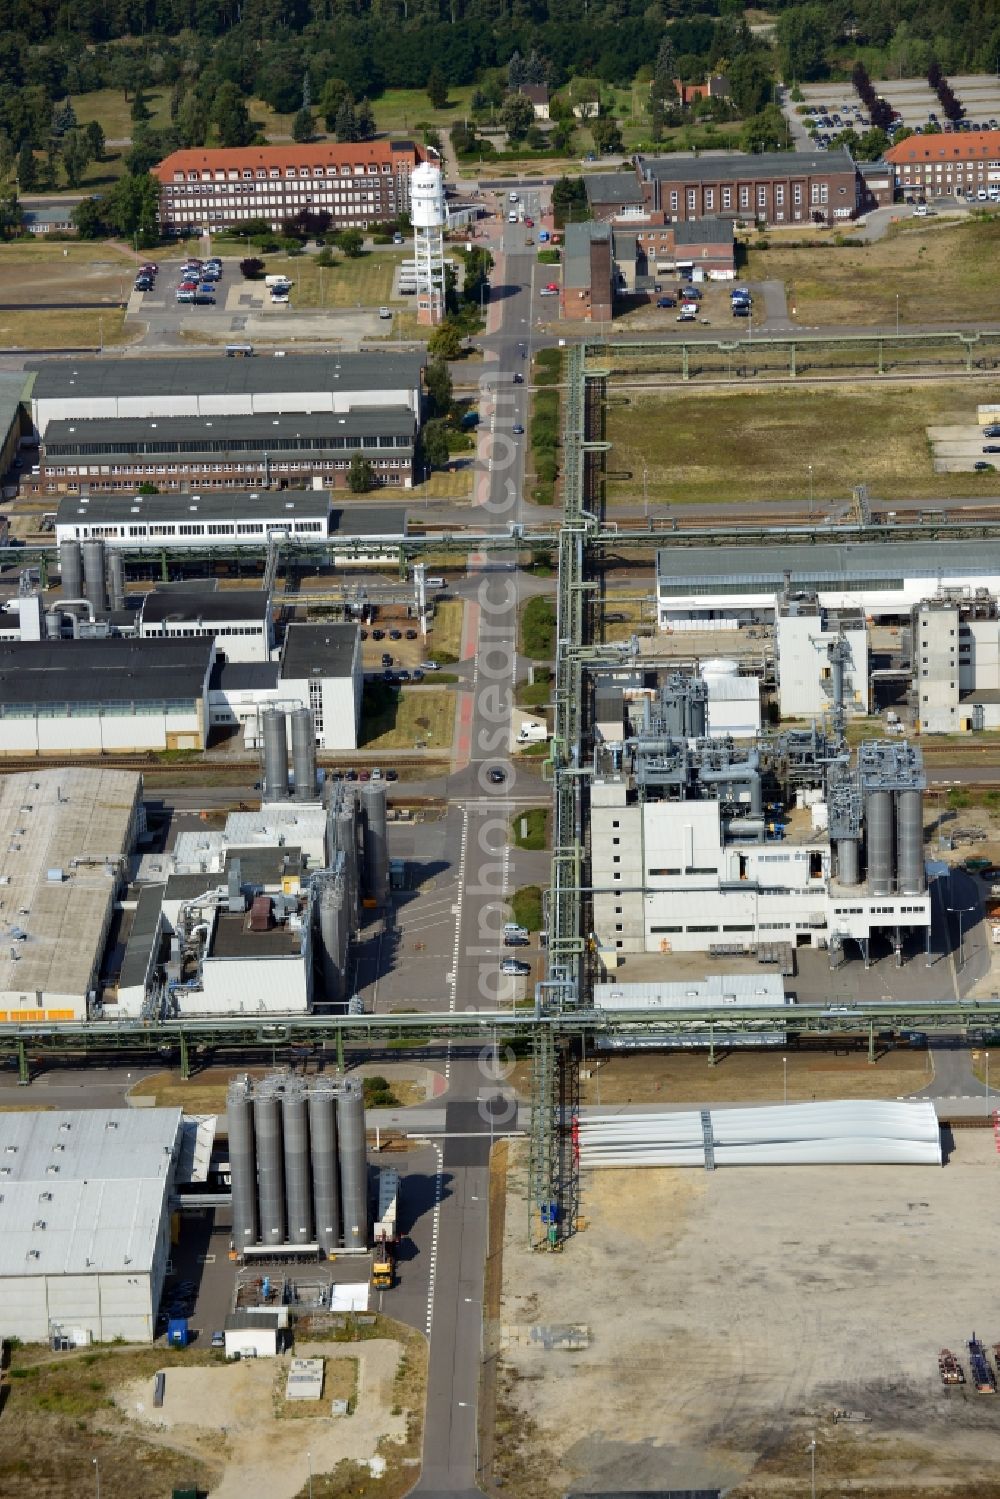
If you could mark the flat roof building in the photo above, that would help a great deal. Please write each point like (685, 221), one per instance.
(223, 452)
(883, 577)
(319, 668)
(85, 1222)
(238, 619)
(210, 385)
(99, 696)
(67, 835)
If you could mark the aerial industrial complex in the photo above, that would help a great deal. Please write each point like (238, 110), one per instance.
(408, 826)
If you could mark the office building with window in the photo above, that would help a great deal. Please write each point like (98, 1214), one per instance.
(358, 184)
(945, 163)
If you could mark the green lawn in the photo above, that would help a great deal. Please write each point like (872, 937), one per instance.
(114, 112)
(538, 628)
(761, 443)
(526, 907)
(364, 282)
(529, 829)
(399, 110)
(402, 719)
(941, 271)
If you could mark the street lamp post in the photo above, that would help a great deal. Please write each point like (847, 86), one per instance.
(810, 489)
(645, 491)
(987, 1082)
(784, 1077)
(97, 1477)
(812, 1467)
(897, 314)
(309, 1458)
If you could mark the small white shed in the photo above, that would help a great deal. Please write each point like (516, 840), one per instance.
(252, 1335)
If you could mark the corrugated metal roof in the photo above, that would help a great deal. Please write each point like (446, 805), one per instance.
(838, 563)
(83, 1191)
(214, 374)
(714, 990)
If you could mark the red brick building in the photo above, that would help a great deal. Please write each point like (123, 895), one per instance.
(774, 187)
(959, 161)
(358, 184)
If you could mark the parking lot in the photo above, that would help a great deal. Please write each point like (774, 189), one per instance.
(836, 107)
(965, 449)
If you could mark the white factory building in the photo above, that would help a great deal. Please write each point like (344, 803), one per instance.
(238, 620)
(85, 1222)
(720, 587)
(68, 837)
(212, 385)
(806, 636)
(956, 664)
(675, 876)
(234, 518)
(126, 695)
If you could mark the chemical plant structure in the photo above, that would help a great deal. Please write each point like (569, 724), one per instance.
(258, 917)
(782, 840)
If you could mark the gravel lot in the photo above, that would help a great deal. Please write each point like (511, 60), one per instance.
(731, 1314)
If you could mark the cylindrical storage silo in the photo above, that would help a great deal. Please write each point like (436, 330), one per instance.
(332, 938)
(325, 1169)
(697, 713)
(71, 570)
(347, 844)
(878, 841)
(270, 1168)
(298, 1188)
(275, 787)
(353, 1165)
(242, 1168)
(848, 866)
(910, 875)
(376, 844)
(116, 574)
(53, 625)
(95, 586)
(304, 754)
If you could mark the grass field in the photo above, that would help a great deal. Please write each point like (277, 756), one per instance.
(777, 442)
(114, 112)
(365, 282)
(529, 829)
(538, 627)
(446, 631)
(941, 271)
(63, 329)
(423, 718)
(443, 484)
(49, 271)
(399, 110)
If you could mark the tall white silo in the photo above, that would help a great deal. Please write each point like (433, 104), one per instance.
(429, 214)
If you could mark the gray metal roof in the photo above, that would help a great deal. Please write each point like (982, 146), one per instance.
(210, 505)
(165, 433)
(243, 676)
(369, 520)
(708, 231)
(210, 608)
(737, 166)
(142, 938)
(684, 569)
(12, 394)
(612, 187)
(84, 1191)
(318, 650)
(98, 672)
(215, 374)
(576, 250)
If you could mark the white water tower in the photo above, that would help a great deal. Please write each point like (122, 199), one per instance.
(429, 214)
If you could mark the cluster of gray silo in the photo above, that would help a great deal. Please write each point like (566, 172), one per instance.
(298, 1163)
(376, 841)
(87, 569)
(892, 782)
(276, 725)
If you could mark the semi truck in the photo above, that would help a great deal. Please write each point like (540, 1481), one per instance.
(532, 733)
(386, 1230)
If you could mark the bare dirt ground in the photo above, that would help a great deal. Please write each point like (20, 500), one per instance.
(732, 1314)
(240, 1403)
(744, 1077)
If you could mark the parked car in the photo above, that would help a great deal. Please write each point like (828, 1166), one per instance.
(740, 309)
(517, 429)
(991, 447)
(515, 967)
(549, 291)
(386, 659)
(218, 1339)
(143, 283)
(497, 775)
(430, 666)
(411, 634)
(984, 468)
(993, 431)
(666, 301)
(518, 379)
(392, 775)
(378, 634)
(395, 634)
(552, 286)
(416, 674)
